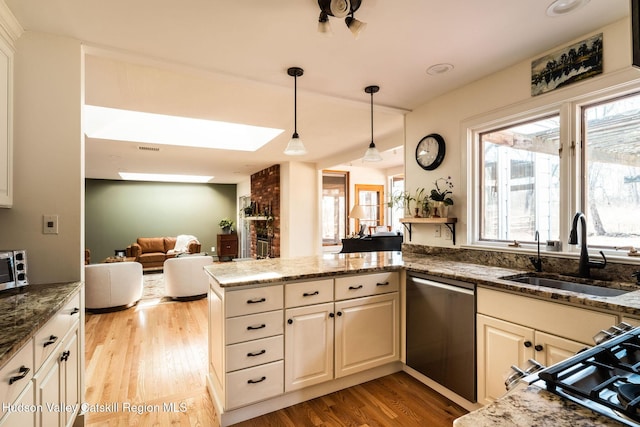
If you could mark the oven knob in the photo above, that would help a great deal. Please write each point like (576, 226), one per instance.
(19, 256)
(20, 266)
(22, 276)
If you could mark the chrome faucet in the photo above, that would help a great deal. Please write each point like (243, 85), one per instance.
(537, 262)
(584, 269)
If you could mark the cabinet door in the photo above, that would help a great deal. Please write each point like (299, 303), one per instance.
(500, 345)
(21, 418)
(551, 349)
(6, 125)
(48, 393)
(70, 378)
(367, 333)
(308, 350)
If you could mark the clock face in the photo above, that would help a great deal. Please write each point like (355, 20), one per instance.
(430, 151)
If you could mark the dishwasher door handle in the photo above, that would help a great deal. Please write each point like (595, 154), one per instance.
(443, 286)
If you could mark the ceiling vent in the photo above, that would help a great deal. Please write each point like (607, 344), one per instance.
(143, 148)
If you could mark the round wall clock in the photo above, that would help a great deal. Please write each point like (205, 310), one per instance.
(430, 151)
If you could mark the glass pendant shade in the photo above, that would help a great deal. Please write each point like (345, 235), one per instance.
(372, 154)
(295, 147)
(356, 27)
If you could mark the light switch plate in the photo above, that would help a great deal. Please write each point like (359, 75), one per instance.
(50, 224)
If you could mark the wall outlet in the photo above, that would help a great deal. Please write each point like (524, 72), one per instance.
(447, 234)
(438, 232)
(213, 248)
(49, 224)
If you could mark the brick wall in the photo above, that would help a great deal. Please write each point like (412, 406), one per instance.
(265, 193)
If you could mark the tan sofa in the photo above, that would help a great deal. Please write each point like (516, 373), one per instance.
(152, 252)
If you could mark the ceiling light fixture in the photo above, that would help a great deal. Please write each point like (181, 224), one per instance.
(340, 9)
(295, 147)
(372, 154)
(563, 7)
(437, 69)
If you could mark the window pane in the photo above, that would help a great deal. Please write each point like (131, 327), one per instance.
(520, 181)
(612, 179)
(334, 213)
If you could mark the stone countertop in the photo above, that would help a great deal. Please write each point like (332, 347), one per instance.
(526, 406)
(25, 310)
(277, 270)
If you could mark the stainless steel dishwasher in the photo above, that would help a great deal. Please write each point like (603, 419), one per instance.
(441, 330)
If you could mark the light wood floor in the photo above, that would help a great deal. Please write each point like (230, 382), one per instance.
(156, 354)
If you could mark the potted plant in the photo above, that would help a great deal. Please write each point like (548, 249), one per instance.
(226, 225)
(442, 196)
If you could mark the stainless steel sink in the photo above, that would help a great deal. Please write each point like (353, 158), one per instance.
(567, 285)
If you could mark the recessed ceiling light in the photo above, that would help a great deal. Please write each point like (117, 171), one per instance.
(434, 70)
(136, 126)
(562, 7)
(131, 176)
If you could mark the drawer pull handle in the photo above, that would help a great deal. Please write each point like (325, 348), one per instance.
(310, 294)
(253, 328)
(382, 284)
(23, 373)
(256, 301)
(65, 356)
(355, 288)
(256, 381)
(52, 340)
(259, 353)
(75, 310)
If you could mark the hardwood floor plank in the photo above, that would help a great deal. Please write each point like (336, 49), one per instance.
(156, 355)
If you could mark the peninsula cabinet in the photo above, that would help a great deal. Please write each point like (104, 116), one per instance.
(279, 344)
(511, 329)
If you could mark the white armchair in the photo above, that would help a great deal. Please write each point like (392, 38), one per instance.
(116, 285)
(185, 277)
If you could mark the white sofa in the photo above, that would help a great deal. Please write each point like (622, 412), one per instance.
(184, 276)
(115, 285)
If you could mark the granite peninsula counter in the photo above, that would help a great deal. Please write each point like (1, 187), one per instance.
(523, 406)
(25, 310)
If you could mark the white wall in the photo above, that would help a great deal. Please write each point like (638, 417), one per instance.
(299, 210)
(510, 87)
(48, 157)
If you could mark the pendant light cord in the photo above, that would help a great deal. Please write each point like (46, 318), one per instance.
(372, 117)
(295, 104)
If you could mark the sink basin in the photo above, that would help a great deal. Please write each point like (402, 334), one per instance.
(567, 285)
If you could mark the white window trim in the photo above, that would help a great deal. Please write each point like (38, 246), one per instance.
(567, 103)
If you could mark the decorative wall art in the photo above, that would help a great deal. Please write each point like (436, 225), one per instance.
(568, 65)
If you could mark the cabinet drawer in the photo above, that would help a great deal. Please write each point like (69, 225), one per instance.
(254, 384)
(306, 293)
(255, 326)
(15, 368)
(366, 284)
(256, 300)
(253, 353)
(54, 331)
(567, 321)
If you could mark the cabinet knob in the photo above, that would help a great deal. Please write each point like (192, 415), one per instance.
(339, 313)
(538, 347)
(528, 344)
(290, 321)
(332, 315)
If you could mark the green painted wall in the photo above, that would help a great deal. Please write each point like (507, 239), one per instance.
(118, 212)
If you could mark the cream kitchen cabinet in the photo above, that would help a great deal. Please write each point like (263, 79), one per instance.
(16, 388)
(57, 378)
(511, 329)
(6, 111)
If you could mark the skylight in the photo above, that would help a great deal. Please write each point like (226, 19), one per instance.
(164, 177)
(136, 126)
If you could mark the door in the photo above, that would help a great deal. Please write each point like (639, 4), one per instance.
(500, 345)
(308, 349)
(367, 333)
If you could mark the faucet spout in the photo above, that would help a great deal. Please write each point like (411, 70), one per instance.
(585, 266)
(537, 262)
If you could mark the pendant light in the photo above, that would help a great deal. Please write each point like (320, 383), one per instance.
(295, 147)
(372, 154)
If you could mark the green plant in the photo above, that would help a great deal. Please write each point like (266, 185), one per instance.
(442, 195)
(225, 223)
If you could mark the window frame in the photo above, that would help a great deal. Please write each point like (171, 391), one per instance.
(569, 108)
